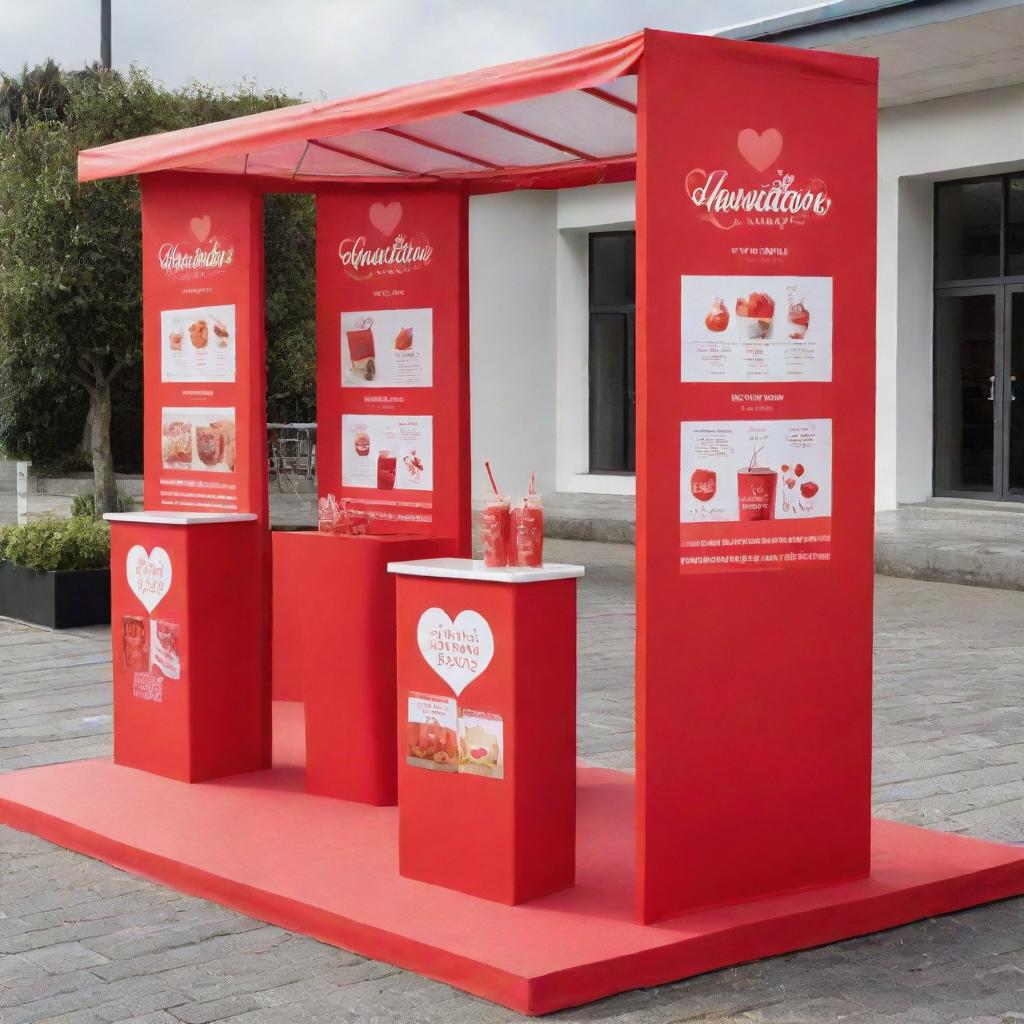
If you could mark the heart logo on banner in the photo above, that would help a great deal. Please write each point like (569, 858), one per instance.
(149, 575)
(694, 180)
(200, 227)
(458, 651)
(761, 150)
(386, 218)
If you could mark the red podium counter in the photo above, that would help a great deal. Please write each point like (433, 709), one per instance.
(334, 628)
(191, 679)
(487, 727)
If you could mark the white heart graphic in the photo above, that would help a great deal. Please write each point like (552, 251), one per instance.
(149, 575)
(458, 651)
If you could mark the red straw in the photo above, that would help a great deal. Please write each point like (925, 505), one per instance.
(490, 476)
(533, 482)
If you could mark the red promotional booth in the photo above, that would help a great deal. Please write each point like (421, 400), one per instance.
(429, 777)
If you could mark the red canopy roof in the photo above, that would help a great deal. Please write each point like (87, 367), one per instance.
(561, 119)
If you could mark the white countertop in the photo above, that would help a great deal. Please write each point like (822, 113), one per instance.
(180, 518)
(474, 569)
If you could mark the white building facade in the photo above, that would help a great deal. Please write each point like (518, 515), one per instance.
(551, 293)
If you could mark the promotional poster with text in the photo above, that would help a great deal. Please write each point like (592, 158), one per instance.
(391, 384)
(201, 416)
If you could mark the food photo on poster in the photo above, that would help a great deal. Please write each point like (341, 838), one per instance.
(387, 453)
(199, 439)
(387, 348)
(165, 648)
(432, 733)
(198, 345)
(481, 744)
(767, 328)
(134, 642)
(755, 493)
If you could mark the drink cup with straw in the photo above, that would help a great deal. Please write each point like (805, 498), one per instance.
(495, 527)
(527, 548)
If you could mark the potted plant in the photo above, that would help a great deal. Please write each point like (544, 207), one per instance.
(56, 572)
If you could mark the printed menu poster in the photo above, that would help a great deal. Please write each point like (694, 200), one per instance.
(763, 328)
(199, 439)
(387, 453)
(432, 733)
(754, 494)
(387, 348)
(481, 744)
(165, 647)
(197, 345)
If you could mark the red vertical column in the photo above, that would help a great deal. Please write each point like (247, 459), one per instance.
(190, 589)
(755, 421)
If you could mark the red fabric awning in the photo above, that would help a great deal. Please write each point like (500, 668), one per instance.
(569, 118)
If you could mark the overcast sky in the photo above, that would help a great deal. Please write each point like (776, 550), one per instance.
(318, 48)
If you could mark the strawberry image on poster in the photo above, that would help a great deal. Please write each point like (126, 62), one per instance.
(764, 328)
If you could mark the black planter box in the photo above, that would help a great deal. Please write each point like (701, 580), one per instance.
(59, 600)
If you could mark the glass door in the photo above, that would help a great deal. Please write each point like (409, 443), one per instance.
(969, 394)
(1013, 395)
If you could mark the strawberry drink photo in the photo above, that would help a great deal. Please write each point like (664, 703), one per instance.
(754, 493)
(387, 453)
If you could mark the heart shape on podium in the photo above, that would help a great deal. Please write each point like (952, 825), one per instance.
(149, 575)
(458, 651)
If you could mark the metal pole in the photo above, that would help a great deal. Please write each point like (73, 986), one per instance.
(105, 33)
(22, 491)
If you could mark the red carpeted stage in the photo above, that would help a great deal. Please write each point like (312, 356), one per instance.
(259, 844)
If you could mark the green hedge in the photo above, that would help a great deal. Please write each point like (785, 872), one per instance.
(85, 505)
(53, 545)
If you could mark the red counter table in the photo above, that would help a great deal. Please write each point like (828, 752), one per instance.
(190, 644)
(334, 628)
(487, 727)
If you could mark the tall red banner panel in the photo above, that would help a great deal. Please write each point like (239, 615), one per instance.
(393, 358)
(755, 466)
(203, 342)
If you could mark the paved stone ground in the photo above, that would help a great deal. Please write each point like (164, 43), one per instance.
(81, 942)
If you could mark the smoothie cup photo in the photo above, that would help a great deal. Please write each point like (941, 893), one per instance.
(755, 488)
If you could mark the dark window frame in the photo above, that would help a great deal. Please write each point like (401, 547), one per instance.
(627, 310)
(1003, 286)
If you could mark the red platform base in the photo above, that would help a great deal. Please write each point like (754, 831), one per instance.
(260, 844)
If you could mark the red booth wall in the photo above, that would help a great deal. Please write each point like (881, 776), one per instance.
(755, 208)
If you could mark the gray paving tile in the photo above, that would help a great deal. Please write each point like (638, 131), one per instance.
(82, 943)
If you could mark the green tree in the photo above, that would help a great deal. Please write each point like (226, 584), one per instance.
(70, 267)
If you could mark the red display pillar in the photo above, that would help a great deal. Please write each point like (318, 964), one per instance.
(190, 575)
(339, 654)
(487, 727)
(755, 461)
(189, 686)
